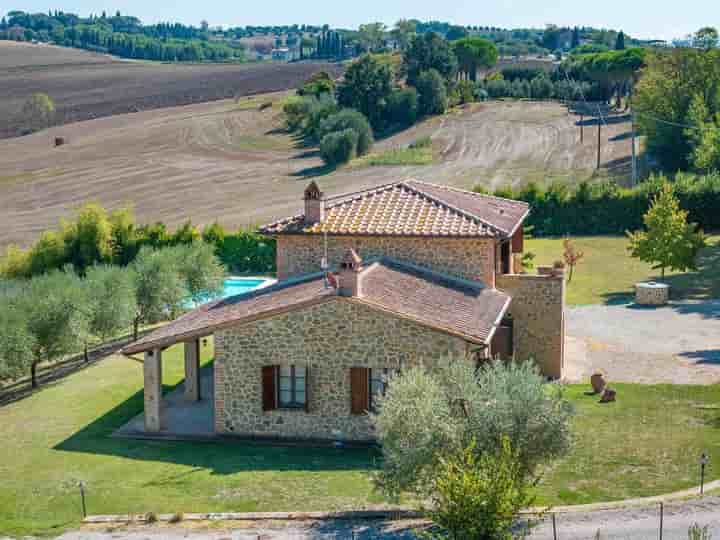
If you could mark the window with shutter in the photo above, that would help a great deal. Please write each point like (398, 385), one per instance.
(269, 394)
(292, 387)
(359, 390)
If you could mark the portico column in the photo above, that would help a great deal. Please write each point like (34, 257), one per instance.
(152, 370)
(192, 370)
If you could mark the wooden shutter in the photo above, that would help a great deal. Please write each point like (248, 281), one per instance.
(359, 390)
(518, 241)
(307, 389)
(502, 343)
(269, 394)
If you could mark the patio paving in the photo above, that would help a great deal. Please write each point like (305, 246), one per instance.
(182, 419)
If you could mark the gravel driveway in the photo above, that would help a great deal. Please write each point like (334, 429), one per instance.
(678, 343)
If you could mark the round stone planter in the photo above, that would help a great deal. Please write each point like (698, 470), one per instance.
(652, 294)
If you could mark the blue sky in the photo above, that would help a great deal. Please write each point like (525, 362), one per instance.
(641, 18)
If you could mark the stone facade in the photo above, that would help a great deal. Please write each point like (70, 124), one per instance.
(469, 258)
(537, 309)
(328, 338)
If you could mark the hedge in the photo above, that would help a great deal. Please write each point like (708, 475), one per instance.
(606, 208)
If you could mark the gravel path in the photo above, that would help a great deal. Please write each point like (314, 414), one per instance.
(625, 524)
(678, 343)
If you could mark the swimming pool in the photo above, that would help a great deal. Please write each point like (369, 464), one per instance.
(235, 286)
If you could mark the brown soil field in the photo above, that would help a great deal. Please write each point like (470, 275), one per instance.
(233, 163)
(86, 85)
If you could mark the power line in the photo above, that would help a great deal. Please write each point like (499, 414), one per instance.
(677, 124)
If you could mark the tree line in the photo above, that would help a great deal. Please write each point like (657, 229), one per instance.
(96, 236)
(120, 35)
(49, 316)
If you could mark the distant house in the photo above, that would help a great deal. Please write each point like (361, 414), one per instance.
(284, 54)
(370, 283)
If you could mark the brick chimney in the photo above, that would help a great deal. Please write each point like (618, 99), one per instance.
(314, 204)
(350, 275)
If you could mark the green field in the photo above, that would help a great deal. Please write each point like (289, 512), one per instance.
(607, 274)
(645, 444)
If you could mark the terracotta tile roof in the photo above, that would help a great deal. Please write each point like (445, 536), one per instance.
(463, 308)
(219, 313)
(411, 208)
(458, 306)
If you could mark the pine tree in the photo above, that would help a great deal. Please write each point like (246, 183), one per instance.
(575, 38)
(620, 41)
(669, 241)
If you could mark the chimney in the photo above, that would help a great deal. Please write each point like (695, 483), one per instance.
(314, 204)
(350, 275)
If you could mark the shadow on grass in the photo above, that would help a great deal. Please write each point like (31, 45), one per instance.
(221, 457)
(314, 172)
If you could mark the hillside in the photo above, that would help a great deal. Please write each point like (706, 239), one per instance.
(231, 162)
(86, 85)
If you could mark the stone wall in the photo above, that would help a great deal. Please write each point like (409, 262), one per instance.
(472, 258)
(329, 339)
(537, 308)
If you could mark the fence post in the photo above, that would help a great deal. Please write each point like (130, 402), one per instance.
(82, 498)
(555, 537)
(662, 511)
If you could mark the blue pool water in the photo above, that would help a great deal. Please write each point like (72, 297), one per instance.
(234, 287)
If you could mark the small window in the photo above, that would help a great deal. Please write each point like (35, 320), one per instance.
(379, 378)
(291, 387)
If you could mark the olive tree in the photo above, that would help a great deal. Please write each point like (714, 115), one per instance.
(16, 342)
(111, 305)
(426, 417)
(38, 111)
(52, 306)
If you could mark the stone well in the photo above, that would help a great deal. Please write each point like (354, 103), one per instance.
(652, 294)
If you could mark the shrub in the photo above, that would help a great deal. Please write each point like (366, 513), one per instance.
(320, 109)
(339, 147)
(479, 496)
(151, 517)
(318, 84)
(402, 107)
(541, 88)
(498, 88)
(349, 119)
(464, 92)
(296, 110)
(432, 92)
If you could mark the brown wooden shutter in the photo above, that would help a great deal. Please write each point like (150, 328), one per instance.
(359, 390)
(269, 394)
(307, 389)
(518, 241)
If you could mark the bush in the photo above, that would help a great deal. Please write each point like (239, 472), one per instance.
(541, 88)
(339, 147)
(320, 109)
(479, 497)
(422, 142)
(296, 110)
(318, 84)
(525, 74)
(498, 88)
(432, 92)
(402, 107)
(464, 92)
(349, 119)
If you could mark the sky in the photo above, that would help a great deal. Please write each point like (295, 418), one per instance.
(645, 19)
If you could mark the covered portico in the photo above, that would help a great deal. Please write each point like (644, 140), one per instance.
(185, 412)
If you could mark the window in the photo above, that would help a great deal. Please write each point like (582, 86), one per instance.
(291, 387)
(379, 378)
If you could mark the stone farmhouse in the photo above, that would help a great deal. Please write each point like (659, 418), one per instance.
(369, 283)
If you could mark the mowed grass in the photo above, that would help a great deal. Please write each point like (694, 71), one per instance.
(645, 444)
(396, 157)
(648, 442)
(607, 273)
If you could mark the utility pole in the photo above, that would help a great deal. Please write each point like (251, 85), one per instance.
(634, 151)
(598, 142)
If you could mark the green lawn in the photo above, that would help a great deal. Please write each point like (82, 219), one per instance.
(607, 274)
(645, 444)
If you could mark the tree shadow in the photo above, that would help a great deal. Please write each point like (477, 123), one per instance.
(369, 529)
(314, 172)
(708, 356)
(622, 136)
(222, 457)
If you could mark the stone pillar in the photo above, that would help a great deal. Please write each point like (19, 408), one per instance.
(192, 370)
(152, 367)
